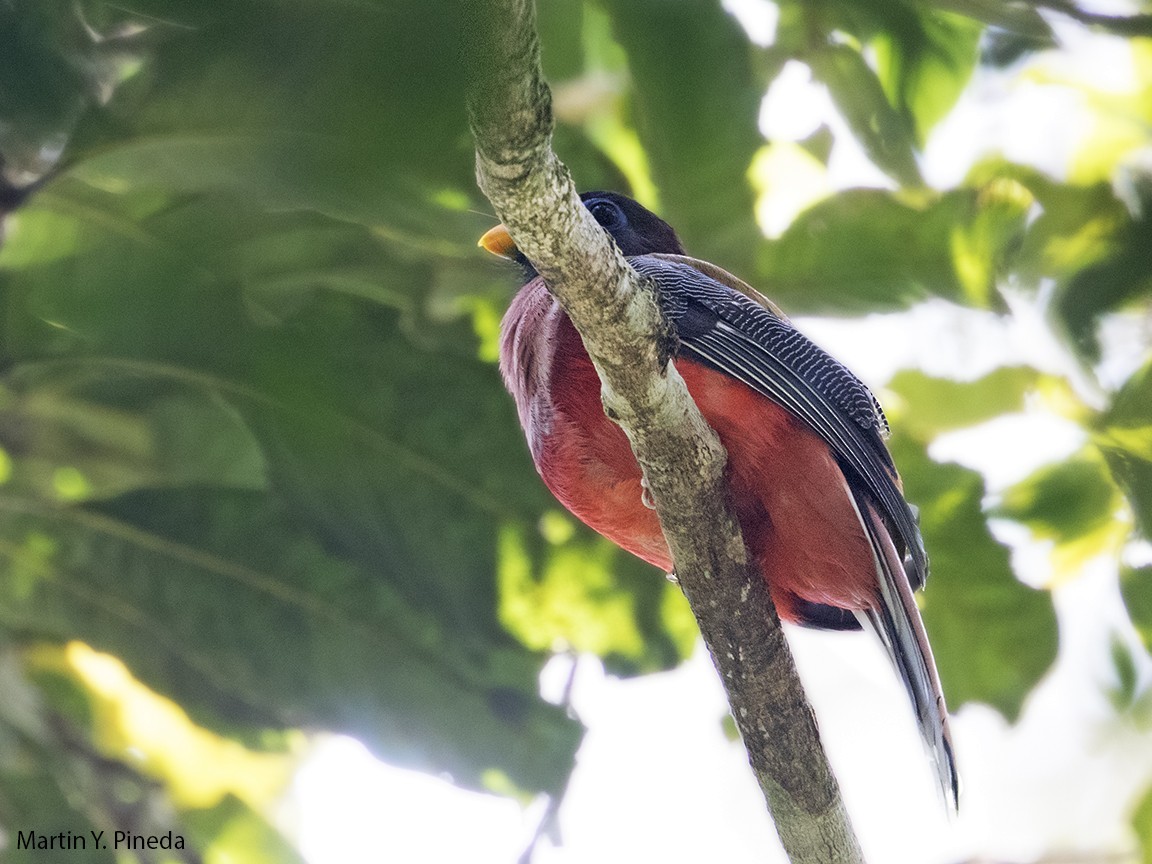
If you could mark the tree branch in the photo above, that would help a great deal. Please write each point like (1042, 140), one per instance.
(631, 344)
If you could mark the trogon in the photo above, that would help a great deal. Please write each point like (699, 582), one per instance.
(819, 500)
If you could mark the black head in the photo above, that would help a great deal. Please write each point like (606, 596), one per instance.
(636, 230)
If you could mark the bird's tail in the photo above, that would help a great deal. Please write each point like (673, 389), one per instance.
(897, 623)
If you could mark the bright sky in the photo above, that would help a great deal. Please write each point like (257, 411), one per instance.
(657, 780)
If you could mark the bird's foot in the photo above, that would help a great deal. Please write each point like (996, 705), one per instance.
(646, 494)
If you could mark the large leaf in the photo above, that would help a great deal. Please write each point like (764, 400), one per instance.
(1085, 239)
(887, 254)
(247, 97)
(942, 404)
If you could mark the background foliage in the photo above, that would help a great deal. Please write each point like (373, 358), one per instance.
(257, 471)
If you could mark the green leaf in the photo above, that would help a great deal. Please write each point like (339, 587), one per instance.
(49, 72)
(232, 831)
(925, 64)
(1142, 825)
(1077, 225)
(935, 405)
(696, 100)
(52, 781)
(987, 238)
(247, 100)
(1086, 240)
(992, 636)
(867, 249)
(1136, 588)
(215, 600)
(1108, 285)
(77, 445)
(864, 250)
(1064, 502)
(1073, 503)
(299, 381)
(562, 590)
(883, 131)
(1124, 693)
(1124, 435)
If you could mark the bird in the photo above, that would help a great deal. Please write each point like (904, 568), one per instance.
(813, 485)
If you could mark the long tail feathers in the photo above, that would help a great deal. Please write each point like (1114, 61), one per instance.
(898, 625)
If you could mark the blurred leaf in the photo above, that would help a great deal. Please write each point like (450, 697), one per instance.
(696, 101)
(1136, 588)
(596, 136)
(819, 144)
(1000, 48)
(127, 722)
(373, 486)
(164, 438)
(250, 99)
(52, 781)
(859, 96)
(1084, 238)
(1142, 825)
(992, 636)
(1124, 692)
(925, 64)
(1106, 286)
(232, 832)
(729, 729)
(984, 243)
(1076, 226)
(570, 593)
(1013, 17)
(1073, 503)
(192, 590)
(50, 70)
(1131, 406)
(938, 405)
(1124, 435)
(865, 249)
(1064, 501)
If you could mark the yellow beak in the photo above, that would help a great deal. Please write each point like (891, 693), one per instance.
(498, 241)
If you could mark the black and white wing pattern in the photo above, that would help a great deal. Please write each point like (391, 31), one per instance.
(726, 329)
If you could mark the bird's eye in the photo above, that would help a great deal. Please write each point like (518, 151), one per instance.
(606, 213)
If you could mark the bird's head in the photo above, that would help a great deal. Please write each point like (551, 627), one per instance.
(635, 229)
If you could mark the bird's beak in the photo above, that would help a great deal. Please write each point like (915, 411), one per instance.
(499, 242)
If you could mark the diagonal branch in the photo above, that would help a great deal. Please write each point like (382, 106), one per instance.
(683, 461)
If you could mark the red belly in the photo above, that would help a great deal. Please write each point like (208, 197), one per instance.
(790, 496)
